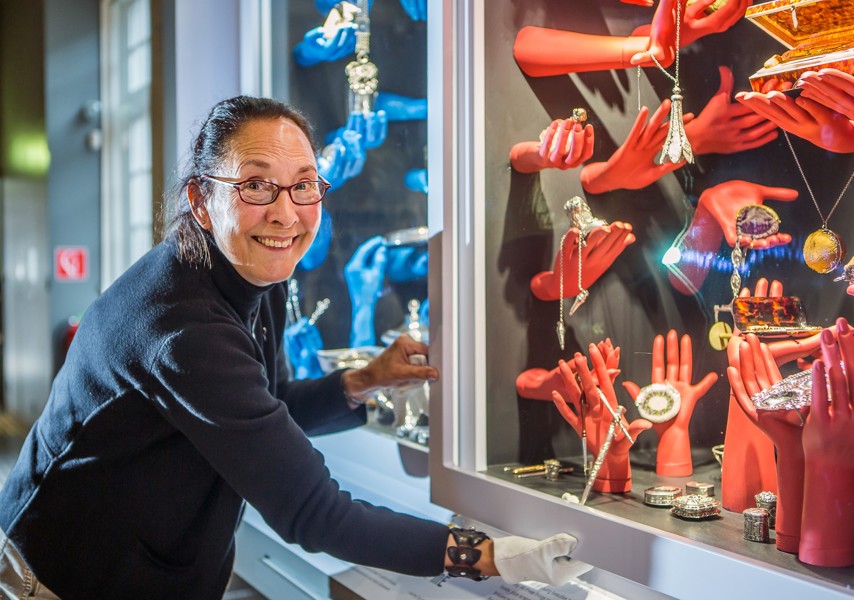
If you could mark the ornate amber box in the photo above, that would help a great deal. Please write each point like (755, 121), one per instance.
(817, 33)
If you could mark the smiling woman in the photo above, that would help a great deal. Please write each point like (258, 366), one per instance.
(174, 406)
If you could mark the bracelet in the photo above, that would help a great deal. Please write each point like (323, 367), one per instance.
(464, 555)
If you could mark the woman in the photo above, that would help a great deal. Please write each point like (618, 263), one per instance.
(173, 406)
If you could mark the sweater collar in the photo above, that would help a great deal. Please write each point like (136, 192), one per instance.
(238, 292)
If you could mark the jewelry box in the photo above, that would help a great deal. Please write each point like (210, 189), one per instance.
(818, 34)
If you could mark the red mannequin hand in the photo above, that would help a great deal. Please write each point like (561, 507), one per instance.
(695, 24)
(565, 145)
(757, 371)
(647, 3)
(726, 127)
(725, 199)
(674, 445)
(603, 245)
(538, 384)
(803, 117)
(633, 166)
(830, 87)
(828, 439)
(749, 465)
(615, 474)
(850, 290)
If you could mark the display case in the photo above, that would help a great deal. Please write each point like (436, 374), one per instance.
(494, 228)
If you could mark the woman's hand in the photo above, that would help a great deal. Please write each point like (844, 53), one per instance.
(391, 368)
(830, 87)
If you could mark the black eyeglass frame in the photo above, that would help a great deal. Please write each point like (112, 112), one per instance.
(325, 185)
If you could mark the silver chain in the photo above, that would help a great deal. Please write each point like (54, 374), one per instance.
(809, 189)
(673, 78)
(560, 265)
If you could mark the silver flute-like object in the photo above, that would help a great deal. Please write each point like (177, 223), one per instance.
(616, 415)
(603, 452)
(319, 309)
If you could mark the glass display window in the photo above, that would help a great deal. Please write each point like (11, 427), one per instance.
(664, 250)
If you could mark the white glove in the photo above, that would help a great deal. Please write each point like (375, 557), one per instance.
(522, 559)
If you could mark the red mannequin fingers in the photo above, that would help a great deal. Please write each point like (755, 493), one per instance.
(672, 364)
(658, 364)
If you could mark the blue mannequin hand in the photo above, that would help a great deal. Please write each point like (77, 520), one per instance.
(365, 274)
(373, 128)
(416, 180)
(302, 342)
(424, 313)
(315, 48)
(343, 159)
(324, 6)
(401, 108)
(416, 9)
(319, 248)
(407, 263)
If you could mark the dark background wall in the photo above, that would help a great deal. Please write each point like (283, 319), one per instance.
(633, 301)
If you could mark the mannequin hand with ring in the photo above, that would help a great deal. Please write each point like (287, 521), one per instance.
(603, 245)
(315, 47)
(538, 384)
(830, 87)
(565, 144)
(804, 117)
(616, 473)
(676, 369)
(365, 274)
(726, 127)
(757, 371)
(632, 166)
(827, 526)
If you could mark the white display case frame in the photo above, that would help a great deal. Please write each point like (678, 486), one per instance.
(666, 562)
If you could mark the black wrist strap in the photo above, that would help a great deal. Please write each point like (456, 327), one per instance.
(464, 555)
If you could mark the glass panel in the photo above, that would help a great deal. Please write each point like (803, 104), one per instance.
(668, 275)
(127, 204)
(370, 259)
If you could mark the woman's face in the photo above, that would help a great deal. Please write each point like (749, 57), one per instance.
(264, 243)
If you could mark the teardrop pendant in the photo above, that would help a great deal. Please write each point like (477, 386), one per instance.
(676, 147)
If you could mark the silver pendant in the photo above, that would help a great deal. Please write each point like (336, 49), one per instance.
(560, 328)
(362, 76)
(579, 300)
(676, 147)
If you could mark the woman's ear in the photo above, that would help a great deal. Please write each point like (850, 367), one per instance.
(198, 205)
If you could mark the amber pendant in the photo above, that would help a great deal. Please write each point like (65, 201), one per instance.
(824, 251)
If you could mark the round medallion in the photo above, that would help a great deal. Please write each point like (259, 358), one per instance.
(756, 221)
(824, 251)
(579, 115)
(658, 402)
(719, 335)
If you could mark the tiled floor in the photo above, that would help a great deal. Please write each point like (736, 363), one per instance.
(12, 436)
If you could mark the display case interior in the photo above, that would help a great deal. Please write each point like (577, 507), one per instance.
(364, 281)
(657, 277)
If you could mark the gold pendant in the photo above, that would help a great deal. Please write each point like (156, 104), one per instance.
(719, 335)
(824, 251)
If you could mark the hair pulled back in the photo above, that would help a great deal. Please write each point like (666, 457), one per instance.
(209, 150)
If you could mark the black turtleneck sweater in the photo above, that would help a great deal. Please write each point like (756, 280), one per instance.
(172, 407)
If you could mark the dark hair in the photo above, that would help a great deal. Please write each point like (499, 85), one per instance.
(209, 149)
